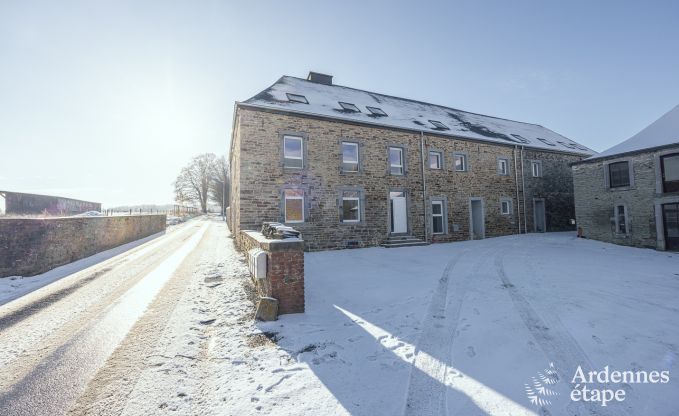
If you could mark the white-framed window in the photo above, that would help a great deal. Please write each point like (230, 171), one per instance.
(437, 217)
(396, 161)
(503, 166)
(536, 168)
(460, 162)
(506, 206)
(293, 205)
(349, 157)
(435, 160)
(293, 152)
(351, 206)
(621, 219)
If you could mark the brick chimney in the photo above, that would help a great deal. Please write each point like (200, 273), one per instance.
(319, 78)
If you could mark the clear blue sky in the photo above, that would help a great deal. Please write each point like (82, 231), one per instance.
(106, 100)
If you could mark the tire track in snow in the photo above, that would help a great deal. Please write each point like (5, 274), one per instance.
(426, 395)
(554, 339)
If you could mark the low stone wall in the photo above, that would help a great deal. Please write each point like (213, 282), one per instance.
(284, 269)
(30, 246)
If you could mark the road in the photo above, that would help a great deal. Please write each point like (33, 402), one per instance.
(65, 344)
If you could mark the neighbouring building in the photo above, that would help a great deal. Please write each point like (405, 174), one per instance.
(629, 194)
(18, 203)
(352, 168)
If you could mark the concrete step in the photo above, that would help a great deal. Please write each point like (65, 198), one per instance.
(403, 241)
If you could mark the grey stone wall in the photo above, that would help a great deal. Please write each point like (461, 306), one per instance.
(31, 246)
(259, 178)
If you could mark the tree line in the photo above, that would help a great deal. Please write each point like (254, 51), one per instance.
(205, 178)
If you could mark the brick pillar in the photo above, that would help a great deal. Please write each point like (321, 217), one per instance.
(285, 271)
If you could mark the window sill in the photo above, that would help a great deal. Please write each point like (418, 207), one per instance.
(621, 188)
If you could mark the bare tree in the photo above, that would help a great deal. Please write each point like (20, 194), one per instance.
(193, 182)
(220, 184)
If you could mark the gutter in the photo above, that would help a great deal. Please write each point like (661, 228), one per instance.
(523, 189)
(516, 181)
(424, 186)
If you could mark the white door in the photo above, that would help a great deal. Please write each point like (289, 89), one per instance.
(399, 218)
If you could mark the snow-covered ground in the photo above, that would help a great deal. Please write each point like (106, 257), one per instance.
(466, 328)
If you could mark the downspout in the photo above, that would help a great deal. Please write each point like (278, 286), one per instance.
(523, 190)
(424, 186)
(516, 181)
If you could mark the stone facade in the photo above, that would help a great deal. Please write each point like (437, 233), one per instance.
(30, 246)
(595, 201)
(259, 179)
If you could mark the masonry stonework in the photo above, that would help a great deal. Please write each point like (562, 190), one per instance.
(259, 179)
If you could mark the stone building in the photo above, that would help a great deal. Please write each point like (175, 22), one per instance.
(18, 203)
(351, 168)
(629, 194)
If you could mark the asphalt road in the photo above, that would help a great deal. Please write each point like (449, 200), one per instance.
(54, 340)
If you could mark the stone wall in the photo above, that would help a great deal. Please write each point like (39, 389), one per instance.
(284, 269)
(595, 201)
(31, 246)
(259, 180)
(17, 203)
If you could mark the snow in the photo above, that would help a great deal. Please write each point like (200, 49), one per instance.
(408, 114)
(90, 214)
(462, 328)
(662, 132)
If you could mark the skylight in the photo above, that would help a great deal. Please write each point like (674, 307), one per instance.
(296, 98)
(377, 111)
(439, 125)
(547, 142)
(349, 107)
(568, 145)
(521, 139)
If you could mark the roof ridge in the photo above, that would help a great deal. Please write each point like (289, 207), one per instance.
(411, 100)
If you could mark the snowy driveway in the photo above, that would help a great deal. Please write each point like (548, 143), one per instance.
(471, 329)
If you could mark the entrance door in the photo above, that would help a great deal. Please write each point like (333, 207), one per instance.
(539, 215)
(478, 230)
(671, 220)
(399, 216)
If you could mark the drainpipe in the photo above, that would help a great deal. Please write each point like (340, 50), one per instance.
(424, 187)
(516, 180)
(523, 189)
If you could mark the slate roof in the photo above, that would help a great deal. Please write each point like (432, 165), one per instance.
(324, 101)
(662, 132)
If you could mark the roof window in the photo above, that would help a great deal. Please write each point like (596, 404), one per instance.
(439, 125)
(376, 111)
(349, 107)
(547, 142)
(520, 139)
(296, 98)
(568, 145)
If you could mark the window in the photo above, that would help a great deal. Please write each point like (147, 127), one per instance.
(437, 217)
(670, 172)
(621, 219)
(396, 161)
(536, 168)
(567, 144)
(435, 160)
(351, 207)
(293, 154)
(503, 166)
(547, 142)
(460, 162)
(349, 157)
(377, 111)
(506, 206)
(438, 125)
(520, 138)
(294, 205)
(296, 98)
(349, 107)
(618, 174)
